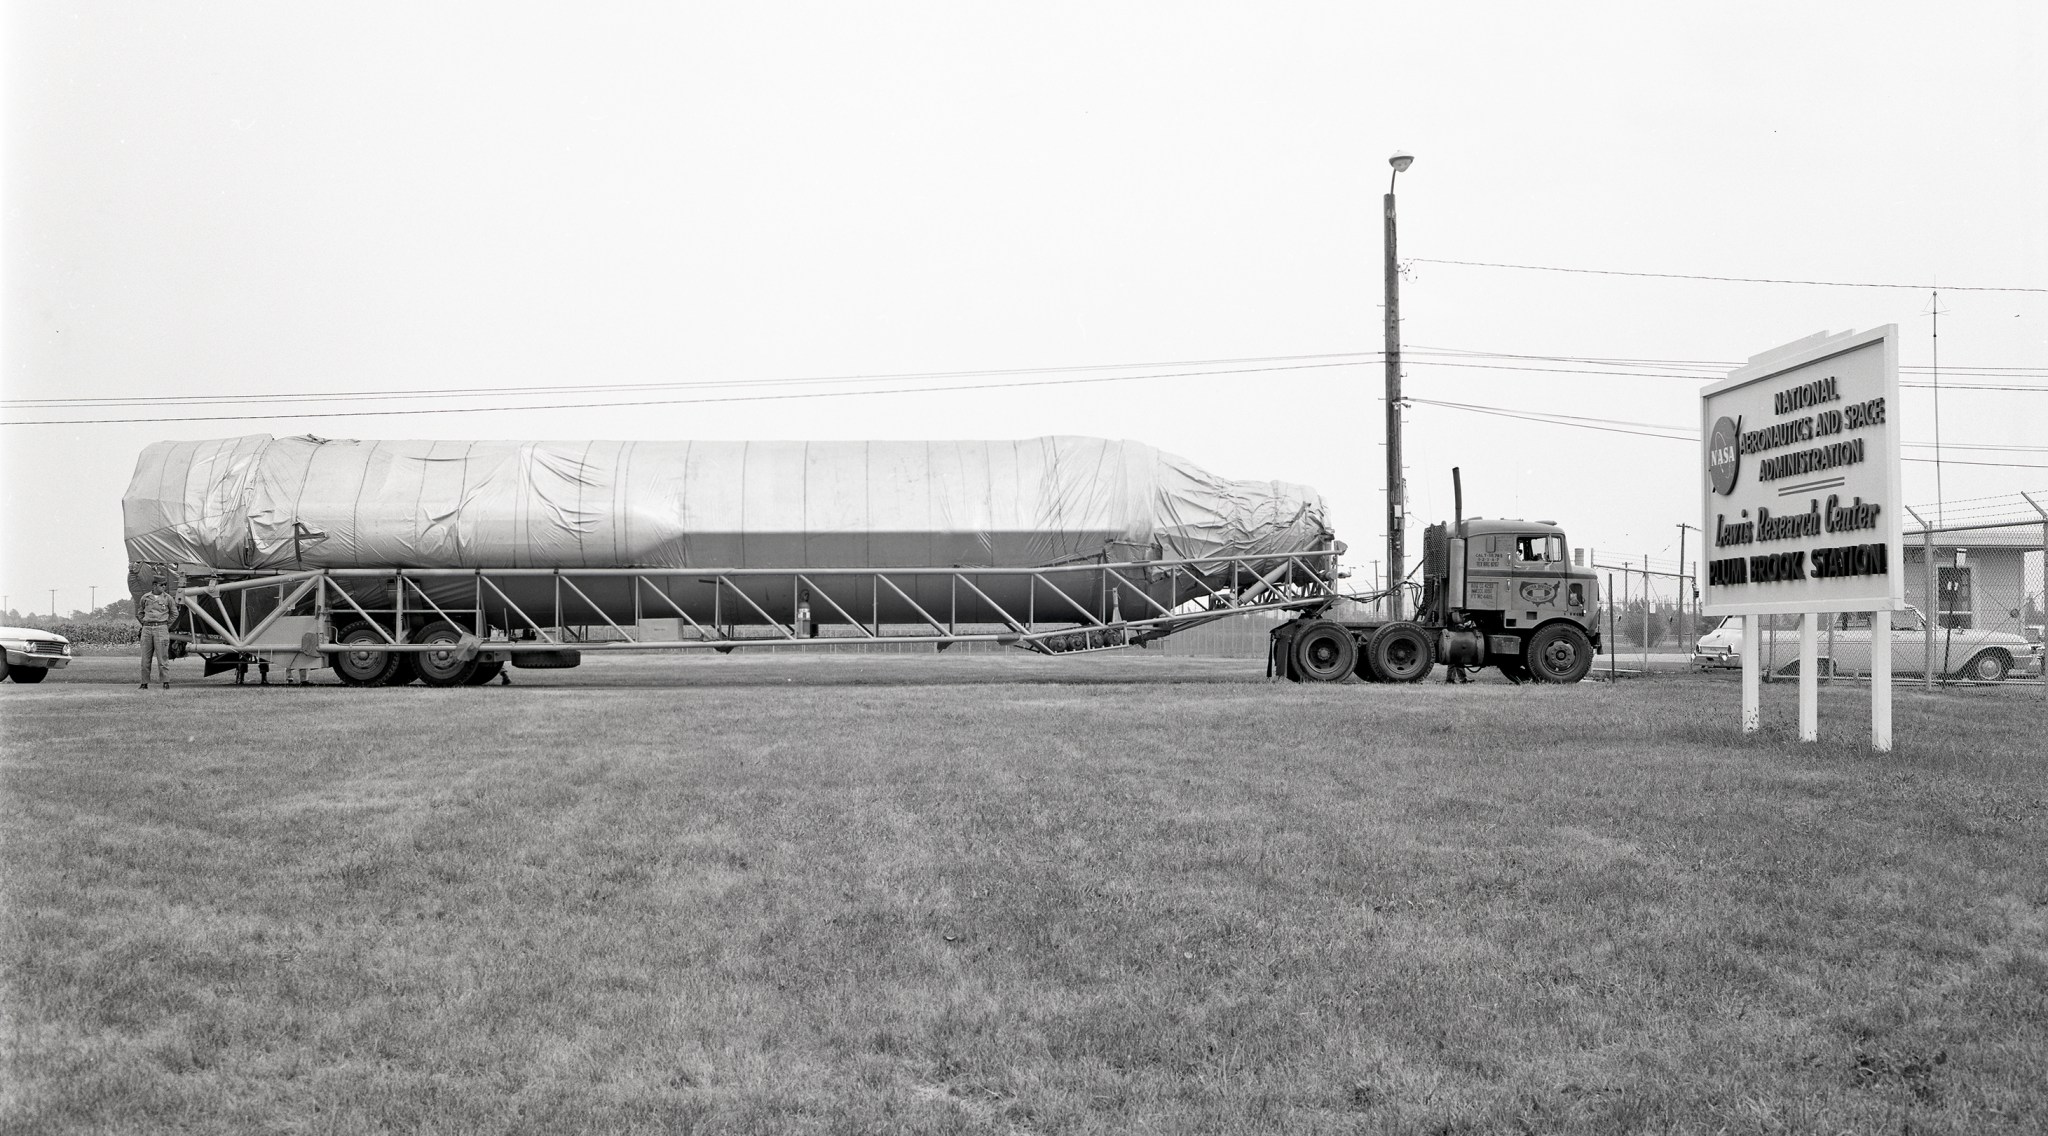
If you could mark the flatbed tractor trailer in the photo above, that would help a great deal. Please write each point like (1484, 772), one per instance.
(1498, 593)
(446, 563)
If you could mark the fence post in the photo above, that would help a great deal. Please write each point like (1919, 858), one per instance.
(1927, 562)
(1613, 644)
(1646, 614)
(2044, 587)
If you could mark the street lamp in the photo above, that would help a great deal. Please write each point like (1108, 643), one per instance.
(1400, 161)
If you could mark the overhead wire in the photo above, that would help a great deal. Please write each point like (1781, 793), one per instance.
(671, 401)
(1721, 279)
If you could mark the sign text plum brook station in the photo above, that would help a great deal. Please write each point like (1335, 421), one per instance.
(1800, 490)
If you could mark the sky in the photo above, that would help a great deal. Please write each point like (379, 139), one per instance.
(373, 201)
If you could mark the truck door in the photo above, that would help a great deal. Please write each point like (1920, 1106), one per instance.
(1541, 579)
(1489, 575)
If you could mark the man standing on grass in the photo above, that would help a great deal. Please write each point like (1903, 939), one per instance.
(154, 612)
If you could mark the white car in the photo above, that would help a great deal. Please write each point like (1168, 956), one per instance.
(1986, 656)
(32, 653)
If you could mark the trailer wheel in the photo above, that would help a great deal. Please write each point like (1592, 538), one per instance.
(446, 667)
(1363, 668)
(1403, 652)
(485, 672)
(1324, 652)
(364, 668)
(1558, 653)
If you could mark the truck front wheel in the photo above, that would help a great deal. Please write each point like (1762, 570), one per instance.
(1558, 653)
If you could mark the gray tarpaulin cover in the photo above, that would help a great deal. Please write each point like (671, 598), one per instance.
(262, 502)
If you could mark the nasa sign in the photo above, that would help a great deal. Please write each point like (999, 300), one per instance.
(1800, 479)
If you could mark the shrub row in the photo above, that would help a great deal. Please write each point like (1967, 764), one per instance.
(89, 631)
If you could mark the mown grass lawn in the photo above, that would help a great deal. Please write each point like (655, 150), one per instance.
(968, 894)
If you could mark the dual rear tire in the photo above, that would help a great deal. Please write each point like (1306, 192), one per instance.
(443, 667)
(1324, 651)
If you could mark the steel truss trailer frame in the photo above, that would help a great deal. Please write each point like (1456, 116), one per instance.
(1304, 581)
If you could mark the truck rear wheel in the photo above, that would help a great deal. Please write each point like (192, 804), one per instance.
(1403, 652)
(364, 668)
(1324, 652)
(1558, 653)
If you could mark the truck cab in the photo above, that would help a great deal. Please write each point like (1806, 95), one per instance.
(1507, 594)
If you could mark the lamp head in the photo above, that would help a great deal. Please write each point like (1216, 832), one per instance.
(1401, 161)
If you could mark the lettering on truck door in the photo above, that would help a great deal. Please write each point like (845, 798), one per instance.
(1488, 581)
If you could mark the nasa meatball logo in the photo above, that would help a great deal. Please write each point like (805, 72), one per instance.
(1724, 455)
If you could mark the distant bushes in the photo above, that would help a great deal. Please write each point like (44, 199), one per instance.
(96, 632)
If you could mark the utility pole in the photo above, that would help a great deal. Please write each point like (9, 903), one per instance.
(53, 603)
(1396, 507)
(92, 602)
(1688, 599)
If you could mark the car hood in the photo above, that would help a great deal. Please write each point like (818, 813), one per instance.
(32, 634)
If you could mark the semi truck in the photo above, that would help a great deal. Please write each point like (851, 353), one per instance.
(1499, 593)
(447, 562)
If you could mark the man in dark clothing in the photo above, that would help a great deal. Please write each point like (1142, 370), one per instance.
(154, 611)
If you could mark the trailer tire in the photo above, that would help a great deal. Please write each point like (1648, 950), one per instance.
(1558, 653)
(443, 668)
(1324, 652)
(1363, 667)
(1403, 652)
(364, 668)
(485, 672)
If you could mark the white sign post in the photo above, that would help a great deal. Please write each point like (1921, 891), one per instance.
(1800, 502)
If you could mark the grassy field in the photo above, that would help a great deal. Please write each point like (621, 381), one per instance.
(1000, 894)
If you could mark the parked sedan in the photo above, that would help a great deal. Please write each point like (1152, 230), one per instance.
(32, 653)
(1986, 656)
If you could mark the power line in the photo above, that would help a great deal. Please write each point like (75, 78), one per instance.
(1682, 434)
(575, 388)
(673, 401)
(1723, 279)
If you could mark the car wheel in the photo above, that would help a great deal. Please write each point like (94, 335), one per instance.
(28, 676)
(1990, 666)
(1558, 653)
